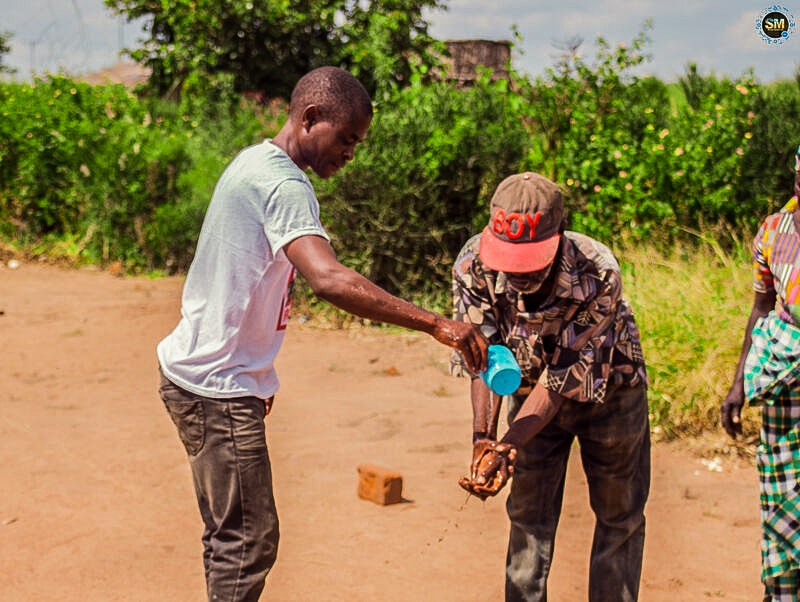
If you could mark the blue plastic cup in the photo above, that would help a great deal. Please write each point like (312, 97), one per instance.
(502, 374)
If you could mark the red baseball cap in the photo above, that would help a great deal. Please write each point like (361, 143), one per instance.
(524, 228)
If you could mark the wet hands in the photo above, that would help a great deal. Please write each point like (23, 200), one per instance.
(467, 339)
(492, 466)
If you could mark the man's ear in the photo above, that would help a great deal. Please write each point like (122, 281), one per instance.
(310, 116)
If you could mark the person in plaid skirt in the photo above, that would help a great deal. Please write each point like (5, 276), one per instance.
(768, 375)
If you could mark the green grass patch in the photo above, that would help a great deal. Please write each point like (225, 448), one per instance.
(691, 305)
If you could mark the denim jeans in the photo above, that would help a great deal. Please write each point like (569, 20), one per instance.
(226, 444)
(614, 442)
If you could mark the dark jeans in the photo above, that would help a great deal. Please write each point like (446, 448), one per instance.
(614, 442)
(227, 449)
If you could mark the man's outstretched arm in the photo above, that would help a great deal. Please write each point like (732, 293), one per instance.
(345, 288)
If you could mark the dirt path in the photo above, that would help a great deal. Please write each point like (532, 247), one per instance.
(97, 504)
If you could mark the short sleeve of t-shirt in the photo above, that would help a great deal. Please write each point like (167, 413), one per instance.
(290, 212)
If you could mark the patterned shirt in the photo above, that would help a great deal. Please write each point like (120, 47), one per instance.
(582, 337)
(776, 259)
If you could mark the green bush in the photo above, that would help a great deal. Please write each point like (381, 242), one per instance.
(92, 171)
(101, 175)
(766, 168)
(421, 183)
(642, 161)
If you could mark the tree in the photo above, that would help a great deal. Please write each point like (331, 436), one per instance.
(385, 41)
(696, 88)
(267, 46)
(5, 48)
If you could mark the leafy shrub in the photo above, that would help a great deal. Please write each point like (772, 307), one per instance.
(767, 166)
(639, 162)
(93, 165)
(421, 184)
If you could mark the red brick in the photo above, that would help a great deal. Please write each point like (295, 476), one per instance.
(379, 485)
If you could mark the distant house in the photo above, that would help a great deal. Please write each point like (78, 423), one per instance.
(467, 55)
(125, 72)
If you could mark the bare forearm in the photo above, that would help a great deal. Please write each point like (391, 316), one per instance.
(330, 280)
(485, 410)
(357, 295)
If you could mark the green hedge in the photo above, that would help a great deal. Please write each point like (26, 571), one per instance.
(418, 187)
(96, 174)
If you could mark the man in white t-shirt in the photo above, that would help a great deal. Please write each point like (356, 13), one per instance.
(217, 366)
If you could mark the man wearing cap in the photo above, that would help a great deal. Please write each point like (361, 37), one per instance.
(768, 375)
(554, 297)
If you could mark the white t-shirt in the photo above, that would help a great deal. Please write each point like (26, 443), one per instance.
(237, 294)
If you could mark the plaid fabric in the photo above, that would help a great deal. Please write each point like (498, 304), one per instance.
(772, 378)
(773, 359)
(576, 342)
(782, 589)
(778, 460)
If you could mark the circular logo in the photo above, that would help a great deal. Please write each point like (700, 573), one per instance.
(775, 24)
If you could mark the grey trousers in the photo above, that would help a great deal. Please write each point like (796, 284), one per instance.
(614, 440)
(226, 444)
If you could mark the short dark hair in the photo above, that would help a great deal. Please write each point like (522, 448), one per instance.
(337, 94)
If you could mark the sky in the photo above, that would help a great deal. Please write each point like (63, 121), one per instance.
(720, 36)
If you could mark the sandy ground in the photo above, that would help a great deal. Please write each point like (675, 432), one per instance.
(97, 503)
